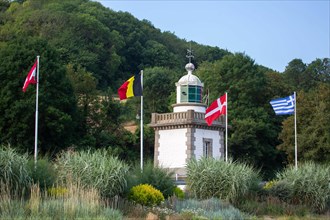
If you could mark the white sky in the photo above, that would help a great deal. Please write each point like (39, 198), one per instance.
(270, 32)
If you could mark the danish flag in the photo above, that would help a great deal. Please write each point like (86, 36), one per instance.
(31, 77)
(217, 108)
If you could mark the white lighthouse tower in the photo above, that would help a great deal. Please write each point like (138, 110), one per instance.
(184, 134)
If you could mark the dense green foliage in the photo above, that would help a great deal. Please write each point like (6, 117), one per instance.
(229, 181)
(308, 185)
(87, 51)
(146, 195)
(42, 173)
(178, 192)
(95, 169)
(158, 177)
(313, 125)
(57, 103)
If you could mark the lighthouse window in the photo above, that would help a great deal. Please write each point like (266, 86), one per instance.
(207, 147)
(184, 93)
(191, 93)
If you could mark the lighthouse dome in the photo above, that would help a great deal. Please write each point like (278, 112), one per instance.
(190, 79)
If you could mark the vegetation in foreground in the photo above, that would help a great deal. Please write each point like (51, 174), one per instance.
(295, 194)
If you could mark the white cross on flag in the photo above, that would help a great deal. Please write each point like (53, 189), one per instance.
(217, 108)
(31, 77)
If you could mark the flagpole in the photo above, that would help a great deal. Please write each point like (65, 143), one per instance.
(295, 132)
(36, 118)
(226, 127)
(141, 125)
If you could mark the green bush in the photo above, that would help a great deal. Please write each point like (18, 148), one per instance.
(160, 178)
(42, 173)
(231, 181)
(146, 194)
(309, 184)
(281, 190)
(178, 193)
(13, 170)
(93, 169)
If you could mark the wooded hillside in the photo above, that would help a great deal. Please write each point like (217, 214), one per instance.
(87, 51)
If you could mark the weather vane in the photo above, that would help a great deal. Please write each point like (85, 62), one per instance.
(190, 54)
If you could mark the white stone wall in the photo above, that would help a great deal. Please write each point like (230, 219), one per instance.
(189, 107)
(214, 135)
(172, 148)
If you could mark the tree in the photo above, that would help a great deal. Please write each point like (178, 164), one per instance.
(317, 72)
(4, 4)
(156, 54)
(294, 73)
(57, 103)
(313, 127)
(158, 85)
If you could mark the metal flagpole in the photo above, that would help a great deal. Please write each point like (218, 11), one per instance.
(295, 132)
(141, 124)
(226, 127)
(36, 118)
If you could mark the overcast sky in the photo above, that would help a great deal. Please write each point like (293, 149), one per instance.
(270, 32)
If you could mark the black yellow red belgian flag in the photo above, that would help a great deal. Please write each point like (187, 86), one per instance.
(132, 87)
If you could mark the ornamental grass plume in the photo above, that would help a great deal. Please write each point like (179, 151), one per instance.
(97, 169)
(309, 184)
(14, 170)
(231, 181)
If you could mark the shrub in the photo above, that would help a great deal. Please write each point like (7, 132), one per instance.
(231, 181)
(13, 170)
(281, 190)
(160, 178)
(98, 170)
(146, 194)
(42, 173)
(178, 193)
(309, 184)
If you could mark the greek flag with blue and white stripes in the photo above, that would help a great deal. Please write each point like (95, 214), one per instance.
(284, 106)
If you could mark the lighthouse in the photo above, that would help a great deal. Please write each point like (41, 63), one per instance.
(183, 134)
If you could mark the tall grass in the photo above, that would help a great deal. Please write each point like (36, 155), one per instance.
(14, 174)
(309, 184)
(230, 181)
(75, 203)
(94, 169)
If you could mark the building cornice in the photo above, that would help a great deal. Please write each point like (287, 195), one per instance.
(189, 119)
